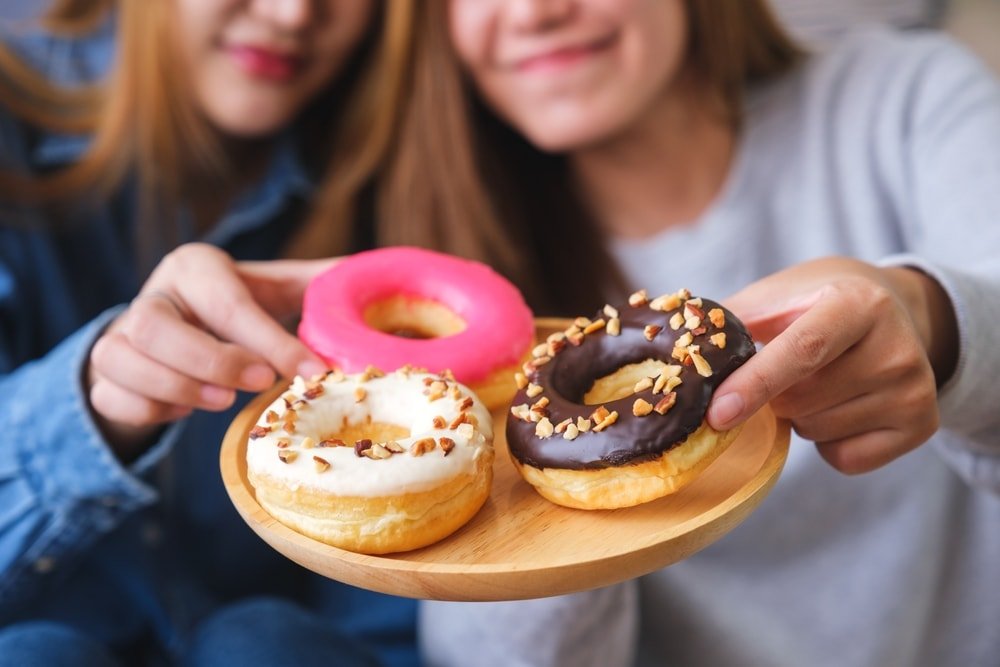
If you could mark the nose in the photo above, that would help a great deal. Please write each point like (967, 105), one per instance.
(538, 14)
(287, 14)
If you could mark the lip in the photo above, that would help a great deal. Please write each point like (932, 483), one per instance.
(561, 58)
(264, 63)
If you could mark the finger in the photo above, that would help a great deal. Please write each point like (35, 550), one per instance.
(119, 405)
(865, 452)
(115, 359)
(155, 330)
(846, 420)
(278, 286)
(230, 312)
(812, 339)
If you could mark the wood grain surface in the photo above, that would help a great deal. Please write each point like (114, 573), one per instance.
(520, 545)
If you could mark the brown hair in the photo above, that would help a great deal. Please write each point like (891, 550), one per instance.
(143, 121)
(465, 182)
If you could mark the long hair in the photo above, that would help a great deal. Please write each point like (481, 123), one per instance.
(462, 180)
(143, 123)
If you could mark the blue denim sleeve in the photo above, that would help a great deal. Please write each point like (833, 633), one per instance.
(61, 487)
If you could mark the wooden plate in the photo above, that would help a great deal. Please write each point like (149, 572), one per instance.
(520, 545)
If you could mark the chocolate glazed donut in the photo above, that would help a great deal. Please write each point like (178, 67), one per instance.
(551, 427)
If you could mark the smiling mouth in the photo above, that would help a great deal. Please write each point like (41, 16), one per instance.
(266, 64)
(561, 59)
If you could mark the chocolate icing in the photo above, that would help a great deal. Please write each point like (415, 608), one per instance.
(571, 373)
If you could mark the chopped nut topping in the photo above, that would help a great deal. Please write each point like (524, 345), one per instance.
(697, 331)
(378, 452)
(665, 302)
(660, 383)
(680, 354)
(582, 323)
(540, 404)
(457, 421)
(606, 422)
(520, 411)
(422, 446)
(571, 433)
(561, 426)
(466, 404)
(651, 330)
(684, 339)
(684, 294)
(541, 361)
(471, 419)
(700, 364)
(288, 397)
(718, 317)
(540, 350)
(533, 390)
(572, 330)
(394, 447)
(466, 431)
(576, 340)
(259, 431)
(287, 455)
(692, 322)
(455, 392)
(332, 442)
(336, 375)
(583, 425)
(676, 321)
(691, 309)
(614, 326)
(718, 340)
(307, 443)
(322, 465)
(599, 414)
(641, 408)
(283, 443)
(556, 337)
(439, 422)
(271, 417)
(373, 372)
(361, 446)
(359, 394)
(289, 426)
(672, 383)
(544, 428)
(666, 403)
(521, 380)
(639, 298)
(554, 347)
(695, 302)
(314, 391)
(610, 311)
(596, 325)
(642, 385)
(447, 444)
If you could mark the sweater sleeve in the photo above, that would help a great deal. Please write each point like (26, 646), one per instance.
(61, 487)
(951, 155)
(597, 628)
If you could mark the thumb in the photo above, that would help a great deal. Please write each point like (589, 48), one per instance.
(278, 286)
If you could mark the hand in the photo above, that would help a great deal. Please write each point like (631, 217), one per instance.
(202, 327)
(848, 358)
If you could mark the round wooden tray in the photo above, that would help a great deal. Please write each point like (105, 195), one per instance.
(520, 545)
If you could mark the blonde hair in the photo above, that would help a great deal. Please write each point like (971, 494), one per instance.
(142, 119)
(463, 181)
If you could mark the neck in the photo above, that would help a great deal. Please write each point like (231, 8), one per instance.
(662, 171)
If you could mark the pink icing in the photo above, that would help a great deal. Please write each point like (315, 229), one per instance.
(499, 326)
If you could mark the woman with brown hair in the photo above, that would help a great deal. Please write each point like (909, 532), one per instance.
(148, 150)
(849, 203)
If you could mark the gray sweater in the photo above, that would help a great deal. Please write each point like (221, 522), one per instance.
(886, 149)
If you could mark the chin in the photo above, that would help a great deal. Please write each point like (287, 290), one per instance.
(249, 118)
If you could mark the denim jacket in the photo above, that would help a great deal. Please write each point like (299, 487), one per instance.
(129, 553)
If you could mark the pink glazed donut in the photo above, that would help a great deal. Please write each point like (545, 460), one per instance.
(402, 306)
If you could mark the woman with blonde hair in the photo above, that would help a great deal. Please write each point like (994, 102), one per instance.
(849, 204)
(148, 152)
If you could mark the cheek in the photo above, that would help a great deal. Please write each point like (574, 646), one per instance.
(469, 29)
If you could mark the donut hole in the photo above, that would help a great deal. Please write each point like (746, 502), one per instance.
(621, 382)
(413, 317)
(369, 430)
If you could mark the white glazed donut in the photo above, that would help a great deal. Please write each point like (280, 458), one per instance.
(371, 462)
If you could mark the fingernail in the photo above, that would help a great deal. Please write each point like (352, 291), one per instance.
(308, 369)
(217, 396)
(725, 410)
(257, 376)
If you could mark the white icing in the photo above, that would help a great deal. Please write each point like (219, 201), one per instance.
(393, 399)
